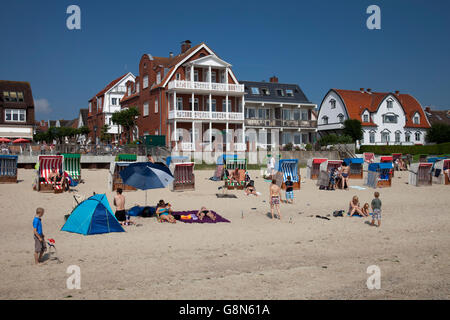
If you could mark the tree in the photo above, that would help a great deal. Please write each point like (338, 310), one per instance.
(104, 135)
(353, 129)
(438, 133)
(127, 119)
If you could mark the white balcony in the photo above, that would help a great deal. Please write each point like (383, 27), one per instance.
(206, 87)
(205, 115)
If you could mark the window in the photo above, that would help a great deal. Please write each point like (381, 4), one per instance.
(417, 136)
(289, 93)
(196, 103)
(397, 136)
(286, 114)
(390, 104)
(178, 76)
(305, 115)
(296, 114)
(156, 106)
(15, 115)
(265, 91)
(158, 78)
(129, 91)
(179, 103)
(20, 96)
(389, 118)
(385, 137)
(90, 107)
(325, 120)
(297, 138)
(144, 82)
(264, 114)
(305, 137)
(408, 137)
(114, 101)
(195, 75)
(213, 76)
(280, 92)
(224, 106)
(251, 113)
(213, 105)
(255, 90)
(145, 111)
(366, 118)
(286, 138)
(372, 137)
(341, 118)
(13, 96)
(416, 119)
(6, 95)
(222, 77)
(333, 103)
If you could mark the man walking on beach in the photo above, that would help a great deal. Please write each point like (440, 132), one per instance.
(119, 202)
(275, 197)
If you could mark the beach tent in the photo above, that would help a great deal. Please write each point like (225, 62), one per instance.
(441, 172)
(8, 169)
(184, 178)
(356, 167)
(46, 164)
(72, 165)
(379, 175)
(114, 179)
(420, 174)
(92, 216)
(289, 167)
(313, 167)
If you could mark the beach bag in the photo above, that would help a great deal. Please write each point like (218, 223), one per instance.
(338, 213)
(148, 212)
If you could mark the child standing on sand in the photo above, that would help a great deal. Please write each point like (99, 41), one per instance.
(39, 240)
(376, 207)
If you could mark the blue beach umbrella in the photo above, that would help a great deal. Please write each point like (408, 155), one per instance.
(146, 175)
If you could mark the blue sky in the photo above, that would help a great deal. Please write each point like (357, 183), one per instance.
(316, 44)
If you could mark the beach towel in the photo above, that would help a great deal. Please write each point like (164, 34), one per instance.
(177, 215)
(358, 187)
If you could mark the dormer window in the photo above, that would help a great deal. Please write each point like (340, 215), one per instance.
(255, 90)
(366, 118)
(265, 91)
(390, 104)
(416, 119)
(280, 92)
(325, 120)
(333, 103)
(289, 93)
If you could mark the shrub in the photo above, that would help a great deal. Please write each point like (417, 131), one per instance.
(443, 148)
(308, 147)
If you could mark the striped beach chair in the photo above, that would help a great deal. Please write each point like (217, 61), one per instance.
(232, 165)
(8, 169)
(289, 167)
(184, 178)
(420, 174)
(46, 164)
(313, 167)
(72, 165)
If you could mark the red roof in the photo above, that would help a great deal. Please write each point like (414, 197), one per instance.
(357, 101)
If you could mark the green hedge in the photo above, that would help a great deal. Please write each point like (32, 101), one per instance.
(443, 148)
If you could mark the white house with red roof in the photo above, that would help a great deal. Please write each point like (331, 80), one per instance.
(104, 104)
(386, 117)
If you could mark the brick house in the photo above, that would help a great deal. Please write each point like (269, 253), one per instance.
(191, 98)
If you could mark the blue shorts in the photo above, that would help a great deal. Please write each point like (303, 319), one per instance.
(290, 195)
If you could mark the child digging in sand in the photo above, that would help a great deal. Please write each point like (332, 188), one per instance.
(365, 210)
(376, 207)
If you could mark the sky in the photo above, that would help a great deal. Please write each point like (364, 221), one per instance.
(318, 45)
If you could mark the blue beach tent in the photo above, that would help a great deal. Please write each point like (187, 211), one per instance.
(93, 216)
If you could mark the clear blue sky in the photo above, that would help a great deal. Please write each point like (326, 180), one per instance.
(316, 44)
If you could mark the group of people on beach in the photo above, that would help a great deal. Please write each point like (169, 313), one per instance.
(339, 177)
(364, 211)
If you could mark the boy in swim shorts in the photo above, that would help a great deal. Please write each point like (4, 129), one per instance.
(275, 196)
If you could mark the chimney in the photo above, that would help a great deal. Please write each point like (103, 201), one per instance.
(361, 89)
(397, 92)
(185, 45)
(274, 79)
(369, 90)
(428, 109)
(171, 54)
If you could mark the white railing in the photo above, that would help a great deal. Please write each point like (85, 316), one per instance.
(205, 115)
(213, 86)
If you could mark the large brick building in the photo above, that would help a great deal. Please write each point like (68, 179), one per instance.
(16, 110)
(191, 98)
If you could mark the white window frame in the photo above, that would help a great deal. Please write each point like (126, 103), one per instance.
(366, 117)
(255, 90)
(341, 118)
(385, 134)
(397, 136)
(333, 103)
(390, 103)
(289, 93)
(416, 116)
(408, 136)
(224, 107)
(417, 135)
(145, 110)
(156, 106)
(325, 120)
(248, 113)
(158, 78)
(196, 105)
(372, 137)
(390, 115)
(145, 82)
(16, 112)
(179, 103)
(114, 101)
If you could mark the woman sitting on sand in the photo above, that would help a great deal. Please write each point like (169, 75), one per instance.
(164, 210)
(205, 212)
(354, 207)
(365, 210)
(250, 189)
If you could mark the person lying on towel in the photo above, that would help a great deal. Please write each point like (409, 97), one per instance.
(205, 212)
(164, 211)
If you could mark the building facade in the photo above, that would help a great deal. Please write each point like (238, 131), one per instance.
(386, 118)
(103, 105)
(191, 98)
(279, 114)
(16, 110)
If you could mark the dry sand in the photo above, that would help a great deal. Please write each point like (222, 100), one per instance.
(250, 258)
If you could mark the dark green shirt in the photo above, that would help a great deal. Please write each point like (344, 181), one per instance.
(376, 203)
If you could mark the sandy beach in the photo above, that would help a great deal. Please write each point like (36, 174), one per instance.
(253, 257)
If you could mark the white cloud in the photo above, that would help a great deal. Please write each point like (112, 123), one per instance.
(42, 106)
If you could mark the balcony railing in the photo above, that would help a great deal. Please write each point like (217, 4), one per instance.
(282, 123)
(189, 146)
(206, 86)
(205, 115)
